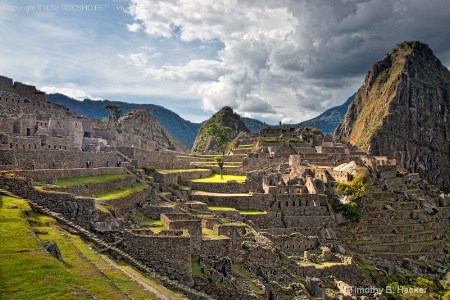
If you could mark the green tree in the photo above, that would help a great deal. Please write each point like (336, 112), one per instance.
(221, 136)
(114, 111)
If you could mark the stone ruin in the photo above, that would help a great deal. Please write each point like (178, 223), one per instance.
(290, 182)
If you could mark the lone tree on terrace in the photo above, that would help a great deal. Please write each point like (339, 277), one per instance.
(221, 136)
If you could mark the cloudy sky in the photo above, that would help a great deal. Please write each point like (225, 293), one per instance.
(275, 60)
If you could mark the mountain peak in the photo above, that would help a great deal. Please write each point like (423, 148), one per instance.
(225, 117)
(402, 110)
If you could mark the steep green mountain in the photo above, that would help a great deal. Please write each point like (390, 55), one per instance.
(182, 130)
(225, 117)
(403, 110)
(330, 119)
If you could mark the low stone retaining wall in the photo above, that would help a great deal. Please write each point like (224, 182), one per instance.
(70, 159)
(169, 255)
(175, 177)
(238, 202)
(78, 210)
(122, 206)
(42, 174)
(219, 247)
(88, 190)
(226, 188)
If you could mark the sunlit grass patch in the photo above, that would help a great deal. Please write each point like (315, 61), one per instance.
(252, 212)
(120, 193)
(221, 208)
(215, 178)
(86, 180)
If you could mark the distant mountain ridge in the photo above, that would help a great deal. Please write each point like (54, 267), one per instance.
(329, 120)
(181, 129)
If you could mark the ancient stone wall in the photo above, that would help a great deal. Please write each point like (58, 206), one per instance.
(234, 232)
(294, 243)
(79, 210)
(253, 163)
(269, 220)
(65, 173)
(22, 159)
(169, 254)
(6, 124)
(226, 188)
(220, 247)
(184, 221)
(306, 221)
(154, 212)
(169, 178)
(124, 205)
(156, 159)
(89, 190)
(238, 202)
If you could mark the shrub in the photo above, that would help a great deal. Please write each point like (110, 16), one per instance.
(149, 170)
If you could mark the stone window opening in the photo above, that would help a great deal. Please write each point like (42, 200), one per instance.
(17, 146)
(54, 146)
(23, 146)
(10, 145)
(35, 146)
(29, 146)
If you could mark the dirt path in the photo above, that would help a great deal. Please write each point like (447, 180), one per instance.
(149, 288)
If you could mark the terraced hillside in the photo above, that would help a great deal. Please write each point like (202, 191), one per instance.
(28, 271)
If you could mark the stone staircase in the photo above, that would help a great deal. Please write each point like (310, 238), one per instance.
(104, 246)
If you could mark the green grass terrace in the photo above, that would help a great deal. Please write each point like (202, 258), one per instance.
(73, 181)
(121, 192)
(171, 171)
(215, 178)
(242, 212)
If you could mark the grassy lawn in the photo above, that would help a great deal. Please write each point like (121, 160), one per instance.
(67, 182)
(208, 234)
(171, 171)
(252, 212)
(120, 193)
(221, 208)
(156, 226)
(215, 178)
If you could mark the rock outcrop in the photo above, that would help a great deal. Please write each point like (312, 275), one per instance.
(143, 130)
(224, 117)
(403, 110)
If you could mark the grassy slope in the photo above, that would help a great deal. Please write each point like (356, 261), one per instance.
(28, 272)
(67, 182)
(119, 193)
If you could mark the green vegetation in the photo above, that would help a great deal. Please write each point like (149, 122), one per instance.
(28, 272)
(221, 208)
(221, 136)
(218, 179)
(171, 171)
(252, 212)
(352, 211)
(149, 170)
(196, 267)
(211, 235)
(354, 189)
(121, 192)
(72, 181)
